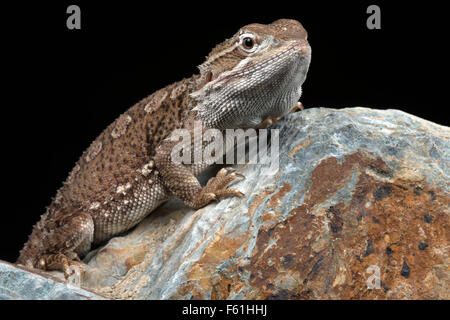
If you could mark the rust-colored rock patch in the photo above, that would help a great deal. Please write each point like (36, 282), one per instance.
(326, 252)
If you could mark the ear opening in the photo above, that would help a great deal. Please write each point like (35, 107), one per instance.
(205, 78)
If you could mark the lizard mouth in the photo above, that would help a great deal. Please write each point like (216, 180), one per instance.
(302, 47)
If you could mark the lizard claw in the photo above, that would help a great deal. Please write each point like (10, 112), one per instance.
(73, 270)
(217, 187)
(211, 196)
(297, 106)
(271, 120)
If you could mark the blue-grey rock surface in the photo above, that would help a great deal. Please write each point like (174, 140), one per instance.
(355, 188)
(16, 283)
(358, 209)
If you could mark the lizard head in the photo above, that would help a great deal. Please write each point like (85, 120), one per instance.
(255, 74)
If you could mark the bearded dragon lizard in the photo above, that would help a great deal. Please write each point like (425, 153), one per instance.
(127, 171)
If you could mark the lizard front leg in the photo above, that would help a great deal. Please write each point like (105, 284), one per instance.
(181, 181)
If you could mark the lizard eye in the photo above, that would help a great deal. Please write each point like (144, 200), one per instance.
(248, 42)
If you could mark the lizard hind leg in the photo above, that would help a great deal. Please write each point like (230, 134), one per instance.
(66, 243)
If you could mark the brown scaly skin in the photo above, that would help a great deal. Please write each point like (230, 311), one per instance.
(127, 171)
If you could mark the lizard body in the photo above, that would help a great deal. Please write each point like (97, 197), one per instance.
(127, 171)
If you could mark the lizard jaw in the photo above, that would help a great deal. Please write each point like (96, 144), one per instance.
(229, 101)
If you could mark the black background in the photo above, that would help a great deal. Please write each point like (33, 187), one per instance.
(63, 87)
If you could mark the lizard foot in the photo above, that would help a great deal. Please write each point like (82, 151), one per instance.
(216, 188)
(268, 122)
(62, 263)
(297, 106)
(271, 120)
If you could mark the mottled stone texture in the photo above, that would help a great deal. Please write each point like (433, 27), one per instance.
(356, 188)
(18, 283)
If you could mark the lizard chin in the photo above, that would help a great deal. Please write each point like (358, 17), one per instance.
(246, 95)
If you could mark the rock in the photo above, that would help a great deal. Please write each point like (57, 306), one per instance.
(18, 283)
(357, 192)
